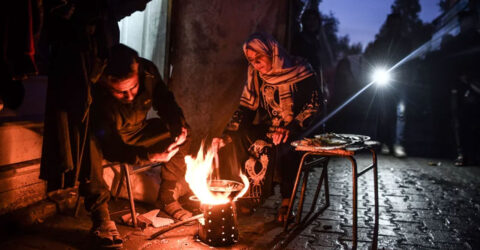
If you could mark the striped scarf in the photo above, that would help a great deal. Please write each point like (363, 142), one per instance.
(285, 72)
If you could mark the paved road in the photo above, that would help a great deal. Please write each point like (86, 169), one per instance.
(421, 207)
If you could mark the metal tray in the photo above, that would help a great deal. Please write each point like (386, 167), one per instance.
(350, 138)
(330, 141)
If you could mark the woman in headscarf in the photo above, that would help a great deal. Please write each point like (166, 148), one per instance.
(280, 101)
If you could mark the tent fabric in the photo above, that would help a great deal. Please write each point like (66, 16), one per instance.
(209, 69)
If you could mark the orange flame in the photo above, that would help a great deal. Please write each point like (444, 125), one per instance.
(197, 176)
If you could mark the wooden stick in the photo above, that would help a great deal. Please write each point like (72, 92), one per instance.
(175, 225)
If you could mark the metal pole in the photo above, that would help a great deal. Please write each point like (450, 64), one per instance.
(327, 192)
(354, 219)
(130, 194)
(375, 191)
(302, 196)
(166, 65)
(120, 183)
(319, 187)
(292, 196)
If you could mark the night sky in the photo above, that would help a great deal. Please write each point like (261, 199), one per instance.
(361, 19)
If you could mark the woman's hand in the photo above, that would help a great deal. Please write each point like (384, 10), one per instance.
(164, 156)
(280, 135)
(217, 143)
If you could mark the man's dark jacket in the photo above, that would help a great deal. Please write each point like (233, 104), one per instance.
(80, 35)
(125, 133)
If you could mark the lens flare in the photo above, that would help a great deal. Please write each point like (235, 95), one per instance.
(419, 52)
(381, 76)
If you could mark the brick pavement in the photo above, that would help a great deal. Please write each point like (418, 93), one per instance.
(421, 207)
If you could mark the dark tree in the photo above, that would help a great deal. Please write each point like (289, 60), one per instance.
(330, 27)
(408, 9)
(400, 34)
(445, 5)
(345, 47)
(338, 45)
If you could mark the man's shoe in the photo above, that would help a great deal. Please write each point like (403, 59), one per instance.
(107, 236)
(399, 151)
(176, 211)
(384, 149)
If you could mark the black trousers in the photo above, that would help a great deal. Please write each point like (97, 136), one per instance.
(92, 185)
(154, 137)
(466, 124)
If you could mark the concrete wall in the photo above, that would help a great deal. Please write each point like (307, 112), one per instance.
(21, 147)
(21, 141)
(20, 186)
(209, 68)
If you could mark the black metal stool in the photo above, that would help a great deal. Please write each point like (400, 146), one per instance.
(125, 172)
(348, 153)
(306, 168)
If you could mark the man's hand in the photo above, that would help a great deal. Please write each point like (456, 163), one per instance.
(280, 135)
(171, 150)
(165, 156)
(182, 137)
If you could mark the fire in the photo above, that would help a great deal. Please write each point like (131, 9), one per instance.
(198, 175)
(245, 187)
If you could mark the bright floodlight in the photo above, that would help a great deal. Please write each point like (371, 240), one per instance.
(381, 76)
